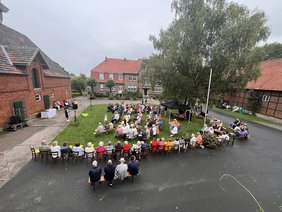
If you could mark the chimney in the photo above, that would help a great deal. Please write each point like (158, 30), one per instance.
(106, 58)
(125, 59)
(3, 9)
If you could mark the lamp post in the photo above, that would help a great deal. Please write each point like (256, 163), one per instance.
(208, 97)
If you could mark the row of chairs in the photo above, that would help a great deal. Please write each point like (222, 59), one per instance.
(90, 156)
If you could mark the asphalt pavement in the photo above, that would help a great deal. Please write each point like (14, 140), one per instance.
(188, 181)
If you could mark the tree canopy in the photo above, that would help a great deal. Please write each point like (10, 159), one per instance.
(92, 83)
(78, 83)
(221, 34)
(270, 51)
(110, 84)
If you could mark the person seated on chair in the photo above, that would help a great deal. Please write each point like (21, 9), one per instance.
(136, 147)
(118, 147)
(44, 146)
(244, 133)
(133, 166)
(154, 144)
(100, 129)
(78, 148)
(193, 140)
(174, 131)
(126, 146)
(89, 148)
(176, 142)
(223, 137)
(109, 171)
(130, 134)
(65, 148)
(162, 143)
(121, 170)
(144, 146)
(199, 140)
(101, 150)
(168, 145)
(109, 148)
(115, 117)
(55, 148)
(94, 173)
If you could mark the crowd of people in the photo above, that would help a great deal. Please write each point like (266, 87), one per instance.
(112, 172)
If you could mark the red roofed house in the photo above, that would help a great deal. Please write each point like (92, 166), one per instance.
(125, 73)
(29, 80)
(269, 84)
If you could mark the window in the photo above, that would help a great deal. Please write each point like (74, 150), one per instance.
(158, 89)
(35, 78)
(265, 98)
(101, 76)
(111, 76)
(52, 95)
(120, 89)
(114, 88)
(38, 97)
(120, 77)
(132, 88)
(101, 87)
(132, 77)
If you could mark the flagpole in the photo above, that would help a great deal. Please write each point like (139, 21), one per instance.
(208, 96)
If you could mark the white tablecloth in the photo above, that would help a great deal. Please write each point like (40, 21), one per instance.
(48, 114)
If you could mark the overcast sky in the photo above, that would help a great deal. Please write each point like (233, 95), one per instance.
(79, 34)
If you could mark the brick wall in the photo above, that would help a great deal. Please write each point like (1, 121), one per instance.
(15, 88)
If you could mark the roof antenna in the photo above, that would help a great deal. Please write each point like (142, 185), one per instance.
(3, 9)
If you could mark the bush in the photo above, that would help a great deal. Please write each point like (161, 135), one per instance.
(74, 95)
(211, 142)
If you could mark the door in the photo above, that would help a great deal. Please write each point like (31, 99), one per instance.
(46, 102)
(19, 110)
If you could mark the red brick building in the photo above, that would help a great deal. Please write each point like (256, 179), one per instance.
(126, 75)
(269, 85)
(29, 80)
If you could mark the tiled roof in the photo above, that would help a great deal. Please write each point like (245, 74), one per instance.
(111, 65)
(5, 66)
(271, 76)
(21, 51)
(21, 55)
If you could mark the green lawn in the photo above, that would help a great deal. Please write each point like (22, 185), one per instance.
(242, 116)
(84, 132)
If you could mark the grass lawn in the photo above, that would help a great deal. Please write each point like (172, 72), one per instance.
(84, 132)
(242, 116)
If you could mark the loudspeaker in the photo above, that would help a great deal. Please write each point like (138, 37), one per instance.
(75, 106)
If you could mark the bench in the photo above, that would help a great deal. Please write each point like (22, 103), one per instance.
(102, 179)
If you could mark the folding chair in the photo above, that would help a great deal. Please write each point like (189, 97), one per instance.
(34, 153)
(89, 155)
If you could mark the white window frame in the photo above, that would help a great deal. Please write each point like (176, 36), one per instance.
(132, 88)
(37, 97)
(120, 77)
(265, 98)
(132, 78)
(111, 76)
(101, 76)
(102, 87)
(114, 88)
(158, 89)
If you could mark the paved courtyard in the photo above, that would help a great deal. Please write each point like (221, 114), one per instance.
(185, 182)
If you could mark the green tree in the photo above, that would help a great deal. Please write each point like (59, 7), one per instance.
(270, 51)
(254, 101)
(110, 84)
(78, 83)
(220, 33)
(92, 83)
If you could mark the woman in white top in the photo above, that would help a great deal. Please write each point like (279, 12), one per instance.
(89, 148)
(55, 148)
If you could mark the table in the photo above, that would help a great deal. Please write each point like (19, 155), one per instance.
(48, 114)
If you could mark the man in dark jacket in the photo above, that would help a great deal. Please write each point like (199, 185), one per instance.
(95, 172)
(133, 166)
(109, 172)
